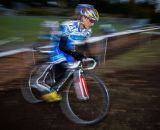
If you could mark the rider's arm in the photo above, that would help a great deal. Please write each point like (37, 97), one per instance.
(64, 48)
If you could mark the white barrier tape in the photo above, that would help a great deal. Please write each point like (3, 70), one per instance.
(12, 52)
(90, 40)
(11, 39)
(152, 33)
(45, 47)
(95, 39)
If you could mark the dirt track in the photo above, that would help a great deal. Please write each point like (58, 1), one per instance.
(134, 98)
(134, 105)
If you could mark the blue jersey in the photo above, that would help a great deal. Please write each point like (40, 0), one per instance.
(72, 30)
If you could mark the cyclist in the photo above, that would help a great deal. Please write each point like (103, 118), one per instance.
(71, 32)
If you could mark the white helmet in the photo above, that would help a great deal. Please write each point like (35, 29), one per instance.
(88, 11)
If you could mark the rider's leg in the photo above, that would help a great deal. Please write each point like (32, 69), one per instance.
(53, 95)
(60, 73)
(38, 81)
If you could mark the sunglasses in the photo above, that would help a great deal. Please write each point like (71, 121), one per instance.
(92, 21)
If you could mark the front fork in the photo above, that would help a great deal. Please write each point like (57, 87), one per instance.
(80, 85)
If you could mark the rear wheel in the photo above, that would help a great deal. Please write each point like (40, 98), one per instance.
(89, 111)
(29, 91)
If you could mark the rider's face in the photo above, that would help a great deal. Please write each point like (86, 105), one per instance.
(87, 23)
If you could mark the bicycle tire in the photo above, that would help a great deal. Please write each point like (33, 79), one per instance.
(79, 111)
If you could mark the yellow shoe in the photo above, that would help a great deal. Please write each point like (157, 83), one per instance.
(52, 97)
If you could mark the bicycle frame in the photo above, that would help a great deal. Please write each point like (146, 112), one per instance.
(79, 81)
(75, 91)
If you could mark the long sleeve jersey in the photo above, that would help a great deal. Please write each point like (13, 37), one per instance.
(72, 33)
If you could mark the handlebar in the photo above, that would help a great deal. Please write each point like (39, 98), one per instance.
(88, 63)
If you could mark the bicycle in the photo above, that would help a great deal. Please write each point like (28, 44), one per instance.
(85, 98)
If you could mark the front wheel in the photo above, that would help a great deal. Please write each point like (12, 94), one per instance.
(90, 111)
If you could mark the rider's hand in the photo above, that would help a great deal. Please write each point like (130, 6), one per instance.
(78, 56)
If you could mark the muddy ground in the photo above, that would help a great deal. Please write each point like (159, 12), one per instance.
(134, 99)
(134, 96)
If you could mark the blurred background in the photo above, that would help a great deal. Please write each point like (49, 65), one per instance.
(124, 8)
(115, 16)
(129, 63)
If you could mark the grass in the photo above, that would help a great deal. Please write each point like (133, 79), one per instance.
(15, 26)
(28, 27)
